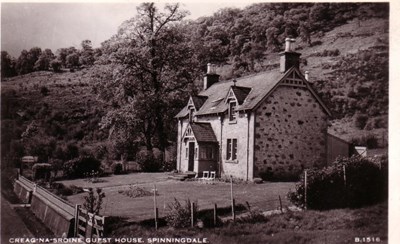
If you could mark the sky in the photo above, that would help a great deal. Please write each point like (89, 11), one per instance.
(56, 25)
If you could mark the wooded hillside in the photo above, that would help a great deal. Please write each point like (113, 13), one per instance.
(99, 101)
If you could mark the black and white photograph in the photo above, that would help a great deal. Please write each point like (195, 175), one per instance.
(199, 122)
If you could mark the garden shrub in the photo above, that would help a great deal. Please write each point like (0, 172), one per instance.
(179, 215)
(136, 191)
(148, 162)
(366, 183)
(370, 141)
(117, 168)
(168, 166)
(81, 166)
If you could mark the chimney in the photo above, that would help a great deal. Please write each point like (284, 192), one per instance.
(289, 57)
(306, 75)
(211, 77)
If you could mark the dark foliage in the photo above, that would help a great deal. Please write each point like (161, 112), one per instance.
(148, 162)
(41, 171)
(366, 183)
(117, 168)
(370, 141)
(81, 166)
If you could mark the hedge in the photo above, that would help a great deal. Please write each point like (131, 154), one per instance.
(350, 182)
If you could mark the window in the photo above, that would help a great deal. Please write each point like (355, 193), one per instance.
(207, 152)
(232, 110)
(231, 149)
(191, 111)
(187, 152)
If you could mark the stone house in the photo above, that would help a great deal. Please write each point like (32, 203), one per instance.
(270, 125)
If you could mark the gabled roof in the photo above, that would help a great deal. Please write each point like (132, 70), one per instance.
(203, 132)
(240, 93)
(259, 87)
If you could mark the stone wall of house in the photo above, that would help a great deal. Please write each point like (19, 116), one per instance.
(290, 134)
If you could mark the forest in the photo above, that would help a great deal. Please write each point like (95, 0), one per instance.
(118, 100)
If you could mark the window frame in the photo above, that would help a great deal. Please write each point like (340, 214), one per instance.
(231, 149)
(232, 113)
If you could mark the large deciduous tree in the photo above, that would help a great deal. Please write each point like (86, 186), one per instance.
(148, 70)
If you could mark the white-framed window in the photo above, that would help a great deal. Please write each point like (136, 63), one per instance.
(232, 110)
(231, 149)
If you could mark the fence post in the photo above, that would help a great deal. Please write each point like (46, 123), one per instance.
(215, 214)
(155, 208)
(76, 225)
(232, 200)
(233, 210)
(280, 204)
(305, 189)
(192, 214)
(344, 175)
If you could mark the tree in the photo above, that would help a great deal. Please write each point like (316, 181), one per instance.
(43, 62)
(87, 53)
(73, 60)
(62, 54)
(7, 65)
(151, 69)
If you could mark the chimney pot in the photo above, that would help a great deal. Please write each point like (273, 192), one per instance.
(211, 76)
(289, 47)
(211, 69)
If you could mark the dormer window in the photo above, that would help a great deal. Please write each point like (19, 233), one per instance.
(232, 110)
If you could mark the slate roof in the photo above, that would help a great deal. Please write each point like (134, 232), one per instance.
(203, 132)
(258, 85)
(250, 90)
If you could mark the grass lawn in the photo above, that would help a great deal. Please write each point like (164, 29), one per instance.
(334, 226)
(264, 196)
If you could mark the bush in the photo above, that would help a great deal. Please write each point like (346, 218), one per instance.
(117, 168)
(136, 191)
(168, 166)
(365, 184)
(81, 166)
(179, 215)
(370, 141)
(148, 162)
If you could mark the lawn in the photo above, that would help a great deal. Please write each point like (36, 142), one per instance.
(263, 196)
(311, 227)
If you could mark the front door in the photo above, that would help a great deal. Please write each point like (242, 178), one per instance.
(191, 156)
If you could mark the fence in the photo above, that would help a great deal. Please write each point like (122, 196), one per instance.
(60, 216)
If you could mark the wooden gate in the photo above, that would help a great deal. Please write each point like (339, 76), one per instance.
(88, 225)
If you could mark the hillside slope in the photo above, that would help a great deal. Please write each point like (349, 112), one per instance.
(57, 115)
